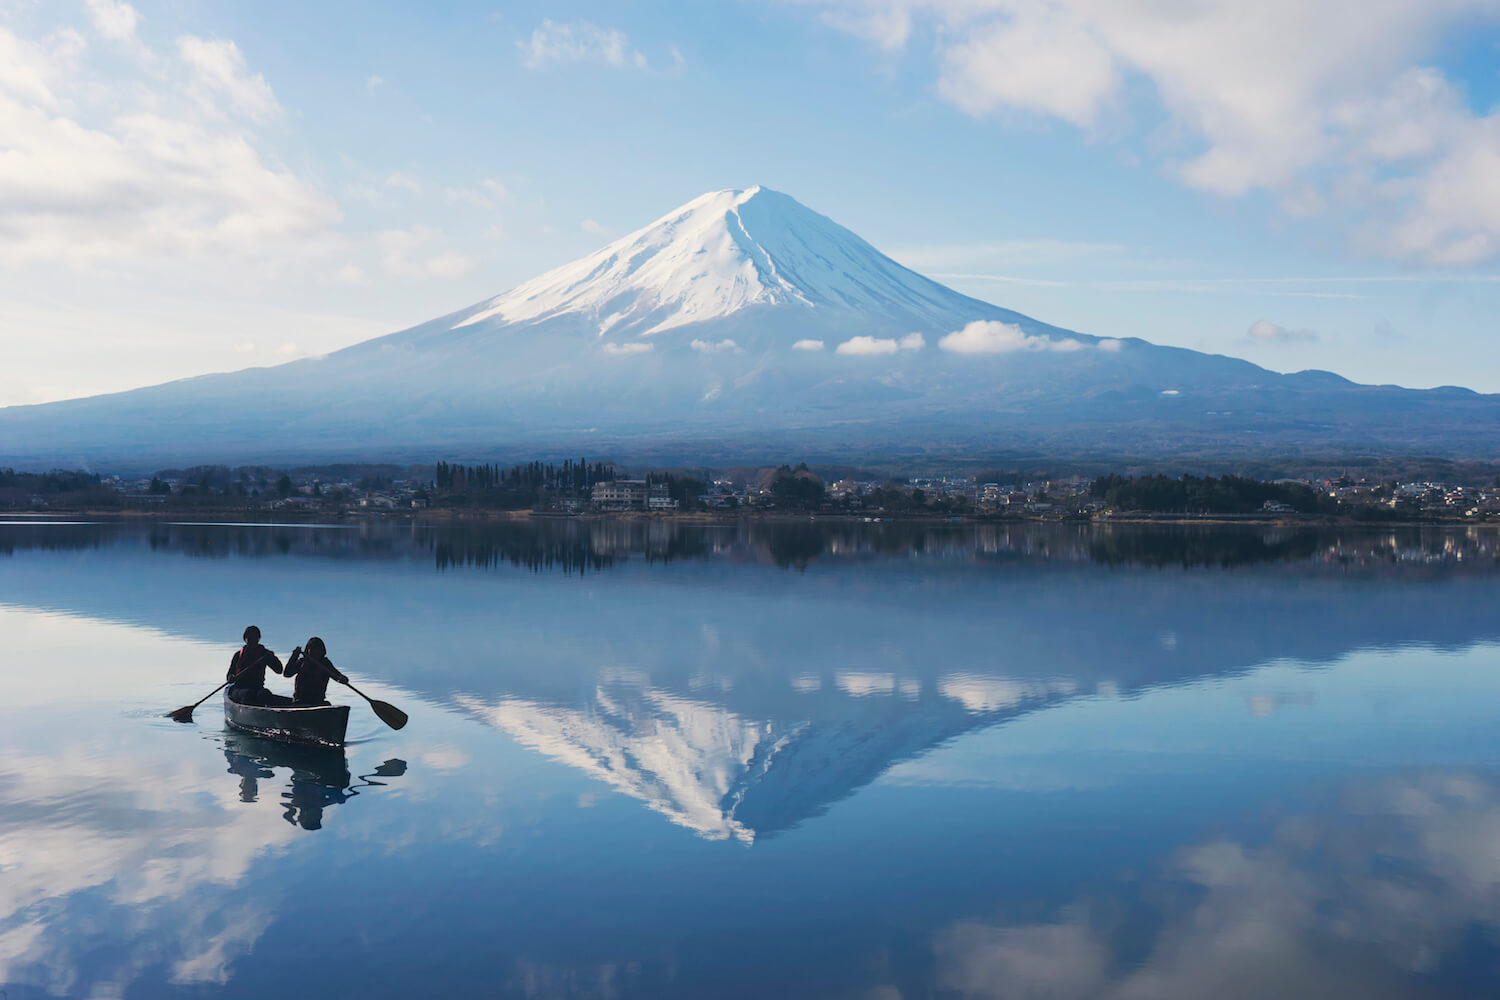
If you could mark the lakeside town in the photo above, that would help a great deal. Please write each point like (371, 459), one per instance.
(581, 489)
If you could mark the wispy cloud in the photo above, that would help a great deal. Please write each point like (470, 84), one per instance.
(409, 253)
(808, 345)
(1264, 331)
(579, 41)
(220, 73)
(715, 347)
(634, 347)
(114, 19)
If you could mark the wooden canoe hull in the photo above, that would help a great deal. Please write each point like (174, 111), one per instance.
(323, 725)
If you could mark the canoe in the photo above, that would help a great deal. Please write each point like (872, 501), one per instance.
(323, 725)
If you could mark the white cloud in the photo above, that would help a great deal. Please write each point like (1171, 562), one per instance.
(1331, 107)
(495, 187)
(993, 337)
(373, 83)
(1264, 330)
(1111, 345)
(808, 345)
(352, 274)
(244, 348)
(594, 228)
(219, 69)
(445, 758)
(404, 253)
(113, 19)
(449, 265)
(288, 349)
(912, 342)
(579, 41)
(867, 345)
(862, 684)
(406, 182)
(129, 172)
(712, 347)
(1043, 58)
(635, 347)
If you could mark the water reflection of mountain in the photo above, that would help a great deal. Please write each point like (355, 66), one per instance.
(739, 698)
(724, 775)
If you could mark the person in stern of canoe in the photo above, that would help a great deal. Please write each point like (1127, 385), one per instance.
(247, 671)
(312, 668)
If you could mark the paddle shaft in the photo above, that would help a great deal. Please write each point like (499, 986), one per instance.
(186, 711)
(207, 696)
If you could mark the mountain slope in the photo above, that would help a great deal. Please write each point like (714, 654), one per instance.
(744, 326)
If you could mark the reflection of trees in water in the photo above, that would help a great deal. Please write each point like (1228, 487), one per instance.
(568, 546)
(320, 776)
(1196, 546)
(55, 537)
(580, 545)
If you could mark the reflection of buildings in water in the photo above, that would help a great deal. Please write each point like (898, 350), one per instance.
(320, 775)
(726, 776)
(572, 545)
(1385, 895)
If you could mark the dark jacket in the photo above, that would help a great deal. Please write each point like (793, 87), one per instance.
(312, 673)
(247, 668)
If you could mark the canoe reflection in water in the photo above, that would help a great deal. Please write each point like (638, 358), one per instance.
(320, 775)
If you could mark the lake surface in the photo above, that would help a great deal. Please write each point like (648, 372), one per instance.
(758, 760)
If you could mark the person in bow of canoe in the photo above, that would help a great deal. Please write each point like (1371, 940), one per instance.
(312, 668)
(247, 671)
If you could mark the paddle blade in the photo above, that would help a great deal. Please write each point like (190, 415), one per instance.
(389, 714)
(183, 714)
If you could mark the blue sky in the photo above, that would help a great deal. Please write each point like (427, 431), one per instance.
(189, 187)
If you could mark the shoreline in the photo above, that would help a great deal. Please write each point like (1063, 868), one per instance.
(220, 515)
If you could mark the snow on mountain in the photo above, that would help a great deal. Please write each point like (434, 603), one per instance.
(721, 253)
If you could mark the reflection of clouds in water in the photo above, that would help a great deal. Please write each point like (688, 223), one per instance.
(980, 693)
(1327, 907)
(861, 684)
(807, 683)
(134, 837)
(444, 758)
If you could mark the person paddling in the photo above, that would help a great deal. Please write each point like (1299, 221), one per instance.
(247, 670)
(312, 668)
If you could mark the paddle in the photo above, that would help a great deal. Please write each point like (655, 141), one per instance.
(185, 713)
(389, 714)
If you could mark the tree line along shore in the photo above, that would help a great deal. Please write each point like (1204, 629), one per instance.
(581, 488)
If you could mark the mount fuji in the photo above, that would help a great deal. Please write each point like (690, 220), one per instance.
(743, 325)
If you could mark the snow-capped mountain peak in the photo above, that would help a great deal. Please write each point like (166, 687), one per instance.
(717, 255)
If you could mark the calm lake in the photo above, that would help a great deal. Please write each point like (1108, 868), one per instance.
(758, 760)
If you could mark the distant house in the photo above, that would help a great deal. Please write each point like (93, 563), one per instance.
(632, 494)
(1277, 507)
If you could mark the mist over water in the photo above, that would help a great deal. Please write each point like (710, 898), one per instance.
(758, 759)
